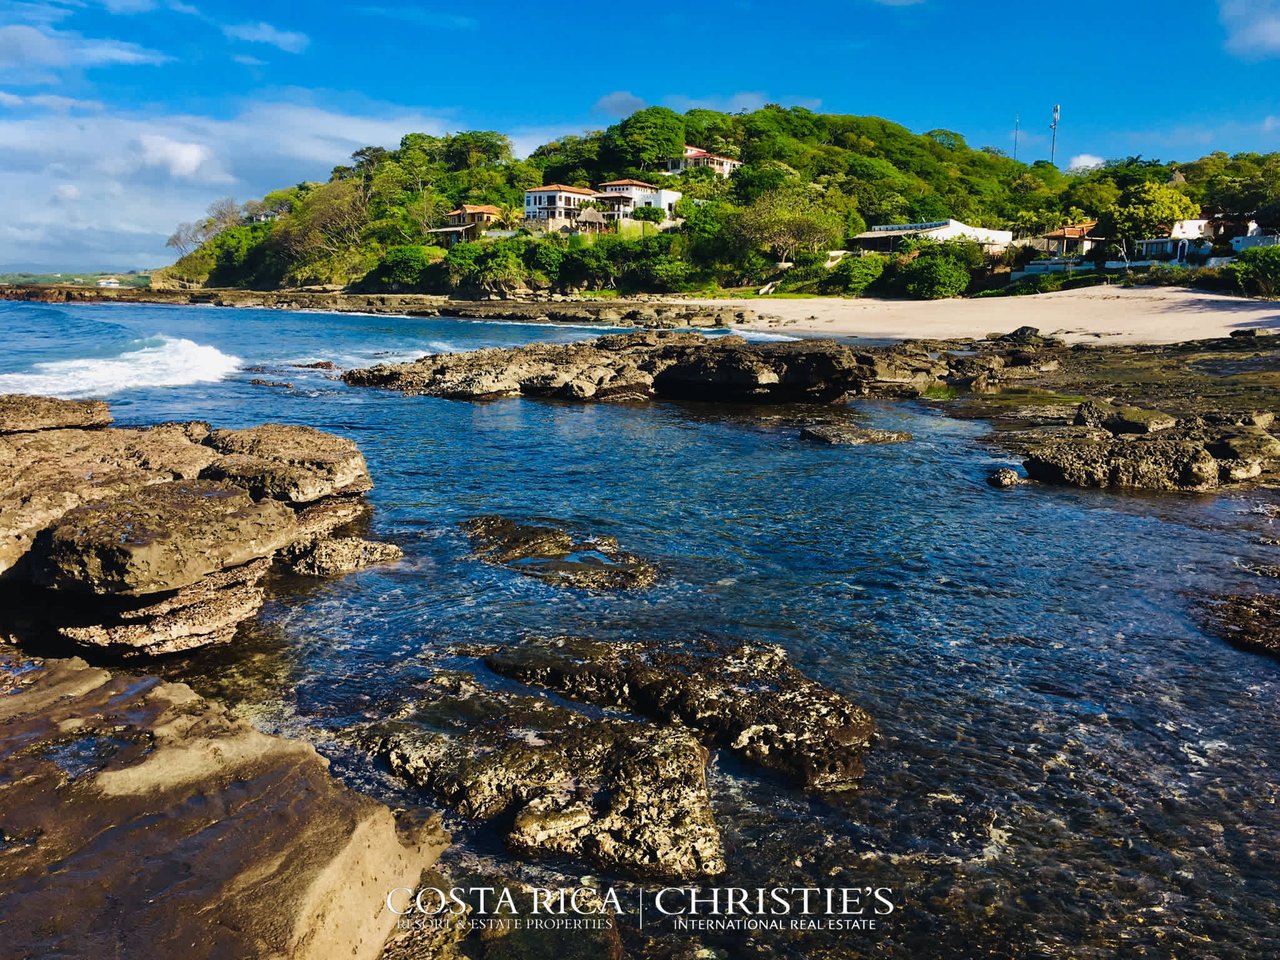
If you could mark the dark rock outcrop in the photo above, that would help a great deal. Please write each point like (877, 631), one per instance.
(618, 794)
(681, 366)
(557, 556)
(748, 698)
(138, 820)
(1125, 446)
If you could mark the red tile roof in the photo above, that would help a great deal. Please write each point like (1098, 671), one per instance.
(473, 208)
(561, 188)
(628, 183)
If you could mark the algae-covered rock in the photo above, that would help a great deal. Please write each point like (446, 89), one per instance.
(618, 794)
(747, 697)
(161, 537)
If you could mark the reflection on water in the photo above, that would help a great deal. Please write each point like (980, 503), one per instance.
(1067, 767)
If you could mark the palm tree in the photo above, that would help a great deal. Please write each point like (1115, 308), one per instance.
(510, 216)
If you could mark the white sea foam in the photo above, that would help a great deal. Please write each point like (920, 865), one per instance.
(761, 337)
(158, 362)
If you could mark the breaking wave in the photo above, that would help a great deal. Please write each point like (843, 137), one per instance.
(154, 362)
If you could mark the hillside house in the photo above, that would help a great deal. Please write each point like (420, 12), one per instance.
(1186, 238)
(556, 202)
(1070, 241)
(621, 198)
(887, 238)
(694, 157)
(466, 223)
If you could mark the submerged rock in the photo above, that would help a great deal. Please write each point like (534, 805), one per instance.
(556, 556)
(618, 794)
(334, 556)
(834, 433)
(1249, 620)
(1004, 479)
(162, 537)
(746, 697)
(21, 413)
(133, 812)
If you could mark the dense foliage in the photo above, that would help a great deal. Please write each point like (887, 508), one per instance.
(809, 182)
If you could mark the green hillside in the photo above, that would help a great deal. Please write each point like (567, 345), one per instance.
(809, 182)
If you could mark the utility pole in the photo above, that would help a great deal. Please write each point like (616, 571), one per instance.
(1053, 151)
(1017, 128)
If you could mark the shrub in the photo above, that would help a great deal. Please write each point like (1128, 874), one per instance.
(1258, 271)
(853, 275)
(933, 278)
(403, 268)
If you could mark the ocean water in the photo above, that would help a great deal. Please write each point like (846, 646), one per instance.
(1068, 766)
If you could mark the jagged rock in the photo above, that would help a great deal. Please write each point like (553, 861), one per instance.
(133, 812)
(663, 364)
(331, 557)
(20, 413)
(748, 698)
(318, 365)
(1004, 479)
(1251, 620)
(322, 518)
(159, 538)
(199, 615)
(621, 795)
(834, 433)
(1083, 457)
(1122, 419)
(292, 463)
(556, 556)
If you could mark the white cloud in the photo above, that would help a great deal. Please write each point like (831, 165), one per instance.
(124, 180)
(1085, 161)
(286, 40)
(24, 47)
(182, 160)
(1253, 27)
(46, 101)
(247, 61)
(620, 103)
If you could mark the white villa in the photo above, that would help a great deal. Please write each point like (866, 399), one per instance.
(622, 197)
(887, 238)
(556, 206)
(556, 202)
(1186, 237)
(697, 157)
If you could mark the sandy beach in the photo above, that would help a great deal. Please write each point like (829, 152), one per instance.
(1095, 315)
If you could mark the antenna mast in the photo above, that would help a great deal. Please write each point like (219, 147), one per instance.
(1057, 115)
(1017, 129)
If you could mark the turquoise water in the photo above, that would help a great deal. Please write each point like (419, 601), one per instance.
(1068, 765)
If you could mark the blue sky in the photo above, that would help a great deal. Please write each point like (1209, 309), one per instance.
(118, 118)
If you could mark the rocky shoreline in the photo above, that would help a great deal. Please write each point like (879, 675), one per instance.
(558, 309)
(130, 543)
